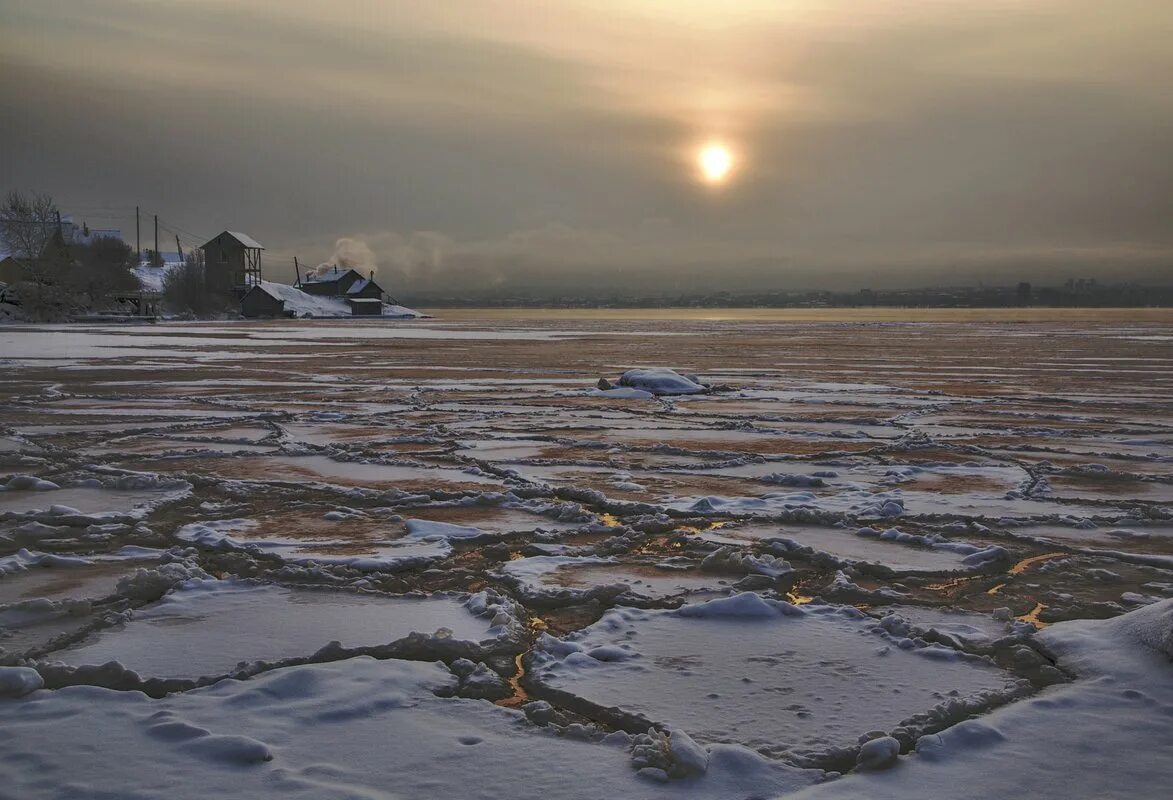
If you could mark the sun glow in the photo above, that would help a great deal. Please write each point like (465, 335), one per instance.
(715, 162)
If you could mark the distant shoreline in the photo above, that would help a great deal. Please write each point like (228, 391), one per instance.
(869, 314)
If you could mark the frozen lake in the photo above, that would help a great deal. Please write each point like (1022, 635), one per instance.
(939, 540)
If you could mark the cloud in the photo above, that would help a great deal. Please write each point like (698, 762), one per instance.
(878, 143)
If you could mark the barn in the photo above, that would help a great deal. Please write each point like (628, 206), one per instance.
(259, 301)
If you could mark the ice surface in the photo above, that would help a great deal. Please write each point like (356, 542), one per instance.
(208, 626)
(765, 674)
(322, 469)
(88, 500)
(546, 576)
(84, 580)
(849, 546)
(310, 538)
(358, 728)
(1039, 439)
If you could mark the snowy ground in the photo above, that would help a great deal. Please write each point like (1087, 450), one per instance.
(434, 559)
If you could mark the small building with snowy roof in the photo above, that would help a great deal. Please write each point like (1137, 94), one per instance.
(232, 263)
(262, 301)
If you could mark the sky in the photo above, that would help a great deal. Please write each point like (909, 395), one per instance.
(464, 146)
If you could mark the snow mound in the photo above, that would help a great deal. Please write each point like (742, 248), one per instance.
(747, 605)
(660, 380)
(19, 681)
(151, 278)
(428, 530)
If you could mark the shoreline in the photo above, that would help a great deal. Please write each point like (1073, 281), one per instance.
(1024, 315)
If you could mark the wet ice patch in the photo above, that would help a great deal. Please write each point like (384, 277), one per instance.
(29, 575)
(966, 628)
(130, 496)
(324, 470)
(567, 577)
(847, 546)
(779, 678)
(207, 627)
(304, 538)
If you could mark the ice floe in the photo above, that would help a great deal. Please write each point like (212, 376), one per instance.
(780, 678)
(207, 627)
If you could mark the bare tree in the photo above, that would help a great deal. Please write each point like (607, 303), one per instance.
(30, 231)
(28, 222)
(184, 288)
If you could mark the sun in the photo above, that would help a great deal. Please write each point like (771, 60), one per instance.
(715, 162)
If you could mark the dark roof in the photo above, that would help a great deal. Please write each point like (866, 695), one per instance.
(331, 277)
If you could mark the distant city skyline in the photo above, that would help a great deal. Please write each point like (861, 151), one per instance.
(658, 146)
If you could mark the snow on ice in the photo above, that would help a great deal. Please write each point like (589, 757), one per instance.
(789, 680)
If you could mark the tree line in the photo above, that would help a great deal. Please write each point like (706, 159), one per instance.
(50, 276)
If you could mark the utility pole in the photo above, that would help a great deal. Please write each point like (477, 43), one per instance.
(138, 239)
(179, 247)
(158, 258)
(297, 270)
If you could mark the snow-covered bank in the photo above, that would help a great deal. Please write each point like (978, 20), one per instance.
(1108, 734)
(302, 304)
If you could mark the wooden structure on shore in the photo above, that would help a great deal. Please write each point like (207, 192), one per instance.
(232, 263)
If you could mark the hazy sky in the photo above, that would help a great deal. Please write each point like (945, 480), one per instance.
(464, 144)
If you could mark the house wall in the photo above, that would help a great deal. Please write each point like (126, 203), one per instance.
(366, 309)
(223, 264)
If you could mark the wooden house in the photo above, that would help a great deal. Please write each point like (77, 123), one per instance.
(347, 283)
(232, 263)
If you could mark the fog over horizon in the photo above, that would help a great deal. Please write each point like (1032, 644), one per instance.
(506, 145)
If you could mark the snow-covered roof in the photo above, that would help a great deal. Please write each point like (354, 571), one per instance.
(267, 290)
(243, 238)
(358, 286)
(333, 276)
